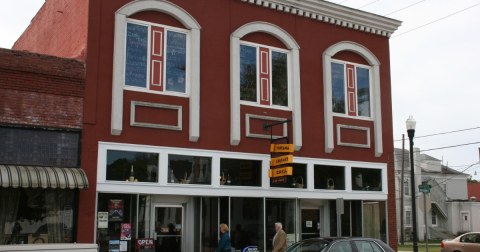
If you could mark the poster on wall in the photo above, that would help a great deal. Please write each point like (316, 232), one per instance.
(125, 231)
(114, 246)
(123, 246)
(102, 219)
(115, 210)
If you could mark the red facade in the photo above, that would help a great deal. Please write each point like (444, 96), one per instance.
(218, 20)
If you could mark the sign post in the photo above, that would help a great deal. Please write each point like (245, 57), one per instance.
(425, 189)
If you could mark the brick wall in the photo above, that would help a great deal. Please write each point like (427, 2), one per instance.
(392, 214)
(41, 90)
(59, 28)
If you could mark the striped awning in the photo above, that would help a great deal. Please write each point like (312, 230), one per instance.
(42, 177)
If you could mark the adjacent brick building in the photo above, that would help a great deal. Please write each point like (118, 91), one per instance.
(41, 113)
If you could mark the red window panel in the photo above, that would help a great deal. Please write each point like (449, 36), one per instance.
(264, 76)
(352, 102)
(156, 58)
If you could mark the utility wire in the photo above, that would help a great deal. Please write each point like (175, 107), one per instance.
(446, 147)
(368, 4)
(436, 20)
(443, 133)
(404, 8)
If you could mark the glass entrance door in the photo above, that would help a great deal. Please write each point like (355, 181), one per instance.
(168, 228)
(310, 223)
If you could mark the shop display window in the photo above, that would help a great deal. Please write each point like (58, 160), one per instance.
(247, 221)
(240, 172)
(116, 214)
(189, 169)
(37, 216)
(132, 166)
(298, 178)
(329, 177)
(283, 211)
(366, 179)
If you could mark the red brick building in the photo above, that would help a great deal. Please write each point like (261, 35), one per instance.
(176, 95)
(41, 111)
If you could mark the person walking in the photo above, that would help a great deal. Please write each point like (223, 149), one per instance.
(224, 240)
(280, 239)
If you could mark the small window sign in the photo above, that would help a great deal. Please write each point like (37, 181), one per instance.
(308, 223)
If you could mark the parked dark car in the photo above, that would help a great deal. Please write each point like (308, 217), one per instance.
(468, 242)
(340, 244)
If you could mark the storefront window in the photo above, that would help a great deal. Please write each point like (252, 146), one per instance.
(239, 172)
(329, 177)
(119, 212)
(364, 179)
(283, 211)
(32, 215)
(210, 225)
(189, 169)
(120, 165)
(374, 220)
(298, 178)
(247, 219)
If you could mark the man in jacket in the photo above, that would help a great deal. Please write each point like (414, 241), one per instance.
(280, 239)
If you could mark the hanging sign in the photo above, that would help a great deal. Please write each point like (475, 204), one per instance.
(281, 148)
(278, 172)
(287, 159)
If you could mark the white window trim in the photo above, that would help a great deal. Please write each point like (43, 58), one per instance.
(193, 64)
(164, 45)
(344, 63)
(406, 192)
(408, 209)
(436, 219)
(215, 189)
(272, 49)
(294, 78)
(375, 103)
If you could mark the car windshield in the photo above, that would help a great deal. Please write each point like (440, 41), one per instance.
(309, 246)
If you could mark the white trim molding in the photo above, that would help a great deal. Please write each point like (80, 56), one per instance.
(335, 14)
(193, 74)
(293, 47)
(375, 92)
(269, 118)
(343, 126)
(154, 125)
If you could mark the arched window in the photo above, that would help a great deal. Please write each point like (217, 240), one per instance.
(143, 59)
(351, 90)
(262, 75)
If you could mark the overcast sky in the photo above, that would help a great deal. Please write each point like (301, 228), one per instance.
(434, 74)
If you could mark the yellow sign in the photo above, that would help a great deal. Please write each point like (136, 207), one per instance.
(281, 148)
(287, 159)
(278, 172)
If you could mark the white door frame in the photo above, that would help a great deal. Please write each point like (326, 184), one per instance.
(153, 218)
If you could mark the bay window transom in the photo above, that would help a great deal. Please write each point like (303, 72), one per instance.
(155, 57)
(264, 75)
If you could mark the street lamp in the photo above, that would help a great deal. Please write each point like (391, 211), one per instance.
(411, 133)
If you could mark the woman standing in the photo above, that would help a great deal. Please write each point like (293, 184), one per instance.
(224, 240)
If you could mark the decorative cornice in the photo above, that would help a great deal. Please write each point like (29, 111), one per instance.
(332, 13)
